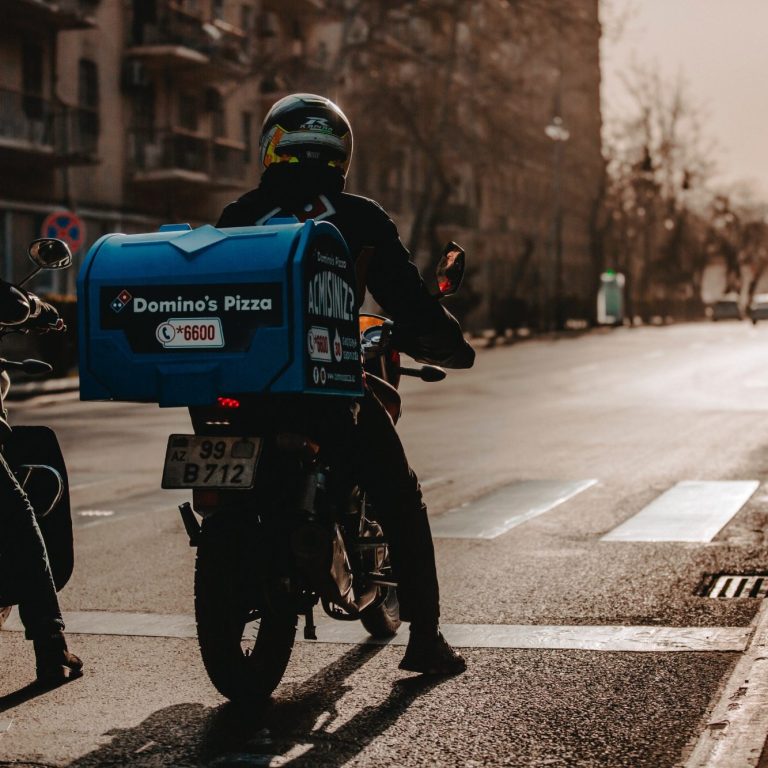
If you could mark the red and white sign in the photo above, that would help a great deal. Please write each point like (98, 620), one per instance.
(66, 226)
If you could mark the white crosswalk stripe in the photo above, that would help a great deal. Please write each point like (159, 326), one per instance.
(692, 511)
(650, 639)
(498, 512)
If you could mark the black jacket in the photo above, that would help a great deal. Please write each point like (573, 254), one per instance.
(425, 329)
(14, 304)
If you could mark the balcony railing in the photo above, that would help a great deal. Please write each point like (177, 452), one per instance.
(167, 156)
(33, 125)
(219, 41)
(299, 7)
(58, 14)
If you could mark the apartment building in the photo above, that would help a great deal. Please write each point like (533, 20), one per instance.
(128, 113)
(132, 113)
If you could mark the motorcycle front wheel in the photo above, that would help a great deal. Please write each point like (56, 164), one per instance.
(242, 672)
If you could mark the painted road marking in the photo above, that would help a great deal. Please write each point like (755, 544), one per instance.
(735, 734)
(690, 511)
(609, 637)
(494, 514)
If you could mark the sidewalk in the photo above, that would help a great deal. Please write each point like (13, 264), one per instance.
(26, 389)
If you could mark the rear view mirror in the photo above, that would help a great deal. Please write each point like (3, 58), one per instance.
(450, 270)
(50, 253)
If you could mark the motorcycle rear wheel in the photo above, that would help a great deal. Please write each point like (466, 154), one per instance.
(383, 620)
(240, 674)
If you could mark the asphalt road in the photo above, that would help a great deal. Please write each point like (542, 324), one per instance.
(638, 411)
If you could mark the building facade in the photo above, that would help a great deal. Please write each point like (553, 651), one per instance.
(132, 113)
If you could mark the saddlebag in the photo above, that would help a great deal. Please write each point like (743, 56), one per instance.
(39, 446)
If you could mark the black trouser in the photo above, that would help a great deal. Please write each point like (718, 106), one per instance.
(25, 573)
(373, 451)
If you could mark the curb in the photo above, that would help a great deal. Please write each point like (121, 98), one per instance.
(735, 733)
(28, 389)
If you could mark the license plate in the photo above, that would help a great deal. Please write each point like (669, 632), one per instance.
(197, 461)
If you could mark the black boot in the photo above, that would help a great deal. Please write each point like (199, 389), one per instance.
(429, 653)
(55, 664)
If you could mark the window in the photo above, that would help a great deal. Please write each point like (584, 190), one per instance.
(144, 14)
(247, 18)
(88, 84)
(32, 80)
(247, 129)
(214, 103)
(247, 24)
(88, 99)
(189, 111)
(144, 109)
(32, 68)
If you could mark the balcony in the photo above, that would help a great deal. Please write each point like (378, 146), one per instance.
(182, 40)
(299, 7)
(165, 159)
(51, 14)
(33, 129)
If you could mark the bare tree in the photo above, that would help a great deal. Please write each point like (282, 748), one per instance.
(659, 163)
(432, 95)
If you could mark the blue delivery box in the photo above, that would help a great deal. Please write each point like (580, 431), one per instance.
(182, 316)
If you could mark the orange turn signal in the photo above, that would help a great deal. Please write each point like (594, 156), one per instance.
(370, 321)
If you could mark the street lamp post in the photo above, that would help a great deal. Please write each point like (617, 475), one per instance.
(559, 134)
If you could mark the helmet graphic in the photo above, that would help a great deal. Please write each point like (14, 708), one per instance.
(307, 129)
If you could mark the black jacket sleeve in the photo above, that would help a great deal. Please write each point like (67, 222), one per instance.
(14, 305)
(424, 328)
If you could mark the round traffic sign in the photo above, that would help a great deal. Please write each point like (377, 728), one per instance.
(66, 226)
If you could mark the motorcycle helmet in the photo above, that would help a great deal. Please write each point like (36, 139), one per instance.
(306, 129)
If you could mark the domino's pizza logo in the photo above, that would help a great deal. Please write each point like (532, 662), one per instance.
(121, 301)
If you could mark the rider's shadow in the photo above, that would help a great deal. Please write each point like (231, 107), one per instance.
(295, 728)
(281, 732)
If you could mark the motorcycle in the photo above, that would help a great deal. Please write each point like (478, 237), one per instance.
(32, 452)
(303, 534)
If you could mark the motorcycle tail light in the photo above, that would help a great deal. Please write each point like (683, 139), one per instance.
(228, 402)
(203, 498)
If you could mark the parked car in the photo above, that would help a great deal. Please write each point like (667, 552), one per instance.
(758, 308)
(726, 308)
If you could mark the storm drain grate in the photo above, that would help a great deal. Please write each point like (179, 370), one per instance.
(737, 585)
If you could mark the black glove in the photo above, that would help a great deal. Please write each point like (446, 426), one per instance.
(48, 319)
(14, 305)
(447, 350)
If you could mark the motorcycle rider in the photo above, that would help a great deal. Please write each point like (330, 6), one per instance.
(23, 555)
(305, 149)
